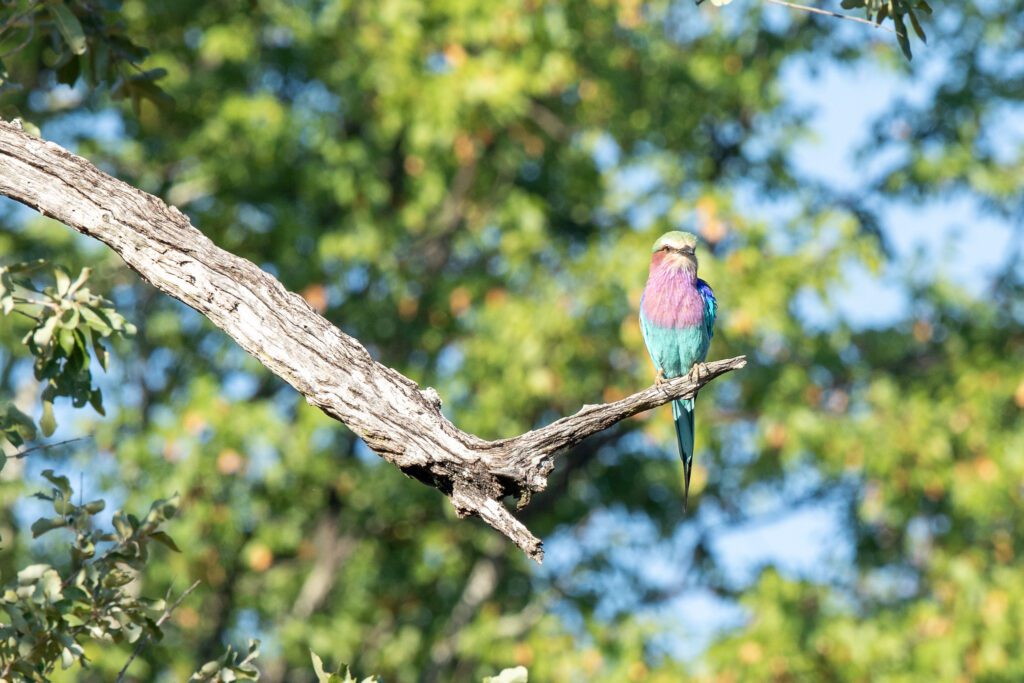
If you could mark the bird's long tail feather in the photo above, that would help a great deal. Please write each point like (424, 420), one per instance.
(682, 414)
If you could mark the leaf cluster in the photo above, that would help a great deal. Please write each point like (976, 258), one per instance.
(68, 322)
(52, 611)
(897, 11)
(231, 666)
(76, 39)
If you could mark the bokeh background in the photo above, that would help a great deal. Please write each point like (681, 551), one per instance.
(471, 189)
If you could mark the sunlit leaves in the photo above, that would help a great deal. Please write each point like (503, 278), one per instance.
(323, 676)
(68, 326)
(53, 613)
(232, 666)
(16, 426)
(83, 40)
(514, 675)
(68, 25)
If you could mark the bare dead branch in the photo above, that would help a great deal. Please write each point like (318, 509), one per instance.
(334, 372)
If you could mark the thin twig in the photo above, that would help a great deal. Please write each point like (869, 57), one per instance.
(28, 39)
(14, 19)
(46, 447)
(829, 13)
(159, 622)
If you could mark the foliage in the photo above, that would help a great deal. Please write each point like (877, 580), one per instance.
(51, 611)
(323, 676)
(68, 321)
(77, 39)
(897, 11)
(230, 668)
(472, 192)
(513, 675)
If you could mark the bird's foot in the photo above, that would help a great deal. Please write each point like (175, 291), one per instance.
(699, 372)
(660, 379)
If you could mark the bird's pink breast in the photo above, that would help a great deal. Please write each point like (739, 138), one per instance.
(671, 299)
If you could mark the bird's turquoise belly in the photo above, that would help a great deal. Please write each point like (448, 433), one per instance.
(676, 350)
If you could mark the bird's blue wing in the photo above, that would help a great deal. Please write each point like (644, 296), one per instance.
(710, 306)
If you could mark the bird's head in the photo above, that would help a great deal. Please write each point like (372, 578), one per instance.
(677, 249)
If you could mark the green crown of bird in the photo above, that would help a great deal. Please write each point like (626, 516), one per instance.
(677, 320)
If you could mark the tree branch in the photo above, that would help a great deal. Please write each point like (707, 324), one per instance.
(335, 373)
(159, 622)
(830, 13)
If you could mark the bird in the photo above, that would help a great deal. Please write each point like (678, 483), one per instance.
(677, 321)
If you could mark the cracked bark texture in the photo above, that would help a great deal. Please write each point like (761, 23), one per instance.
(335, 373)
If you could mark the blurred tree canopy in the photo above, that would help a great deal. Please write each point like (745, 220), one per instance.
(471, 190)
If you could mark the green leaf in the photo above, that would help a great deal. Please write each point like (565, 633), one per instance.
(47, 423)
(132, 631)
(253, 650)
(116, 578)
(917, 26)
(163, 538)
(156, 605)
(62, 483)
(514, 675)
(100, 62)
(32, 574)
(901, 36)
(321, 675)
(79, 281)
(96, 401)
(66, 339)
(162, 510)
(16, 425)
(69, 26)
(69, 318)
(63, 280)
(123, 525)
(41, 337)
(47, 524)
(97, 320)
(102, 355)
(62, 506)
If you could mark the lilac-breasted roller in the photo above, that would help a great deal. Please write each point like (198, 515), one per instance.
(677, 319)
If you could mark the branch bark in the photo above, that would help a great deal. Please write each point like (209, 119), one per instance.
(334, 372)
